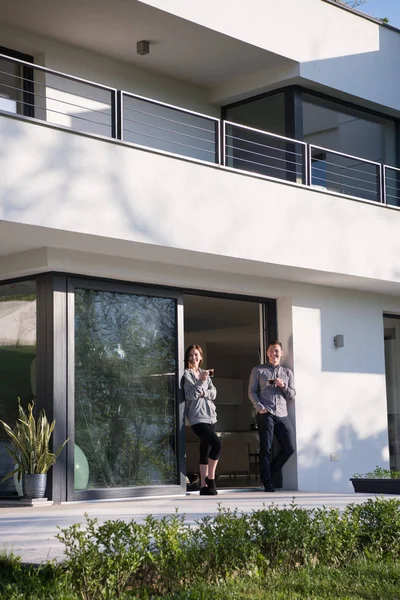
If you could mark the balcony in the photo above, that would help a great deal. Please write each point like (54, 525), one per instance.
(82, 106)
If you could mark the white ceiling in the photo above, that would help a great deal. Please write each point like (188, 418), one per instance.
(178, 48)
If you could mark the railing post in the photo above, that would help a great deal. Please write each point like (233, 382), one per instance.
(223, 143)
(120, 115)
(218, 142)
(383, 184)
(380, 185)
(308, 159)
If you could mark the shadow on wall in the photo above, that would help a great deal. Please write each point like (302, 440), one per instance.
(68, 170)
(318, 472)
(381, 64)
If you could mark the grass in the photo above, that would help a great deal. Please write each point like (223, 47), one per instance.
(365, 579)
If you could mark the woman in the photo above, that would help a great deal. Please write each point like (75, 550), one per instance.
(200, 394)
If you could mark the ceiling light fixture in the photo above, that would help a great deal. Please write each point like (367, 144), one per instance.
(143, 47)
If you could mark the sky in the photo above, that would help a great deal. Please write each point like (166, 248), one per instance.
(383, 8)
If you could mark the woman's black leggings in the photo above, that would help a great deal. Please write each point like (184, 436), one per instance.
(208, 439)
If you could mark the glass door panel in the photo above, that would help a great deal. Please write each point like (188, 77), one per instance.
(17, 363)
(125, 390)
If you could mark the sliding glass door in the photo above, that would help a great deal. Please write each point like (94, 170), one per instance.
(125, 389)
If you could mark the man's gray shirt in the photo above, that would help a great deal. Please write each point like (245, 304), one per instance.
(264, 395)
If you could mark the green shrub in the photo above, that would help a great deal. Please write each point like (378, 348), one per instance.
(225, 545)
(170, 562)
(163, 557)
(377, 526)
(378, 473)
(102, 560)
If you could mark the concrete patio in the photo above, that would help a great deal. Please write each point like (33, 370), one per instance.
(29, 531)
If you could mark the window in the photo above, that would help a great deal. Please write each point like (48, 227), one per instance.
(16, 84)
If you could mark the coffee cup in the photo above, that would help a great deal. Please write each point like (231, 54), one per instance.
(271, 381)
(211, 372)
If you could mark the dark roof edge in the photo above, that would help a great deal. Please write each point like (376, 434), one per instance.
(361, 14)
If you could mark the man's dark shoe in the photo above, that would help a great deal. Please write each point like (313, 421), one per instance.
(268, 487)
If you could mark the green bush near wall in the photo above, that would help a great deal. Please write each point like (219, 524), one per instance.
(271, 553)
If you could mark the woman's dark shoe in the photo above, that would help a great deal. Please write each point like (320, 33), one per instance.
(204, 491)
(212, 489)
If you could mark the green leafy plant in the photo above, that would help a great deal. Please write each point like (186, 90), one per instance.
(378, 473)
(30, 441)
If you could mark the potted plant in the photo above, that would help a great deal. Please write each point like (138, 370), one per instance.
(378, 481)
(30, 450)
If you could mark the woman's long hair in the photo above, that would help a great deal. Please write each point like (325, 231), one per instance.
(188, 351)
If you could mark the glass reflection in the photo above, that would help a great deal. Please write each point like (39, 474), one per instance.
(17, 361)
(125, 390)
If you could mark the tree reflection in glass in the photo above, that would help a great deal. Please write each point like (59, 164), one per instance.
(125, 388)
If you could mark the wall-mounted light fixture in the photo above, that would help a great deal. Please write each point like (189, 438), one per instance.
(338, 341)
(143, 47)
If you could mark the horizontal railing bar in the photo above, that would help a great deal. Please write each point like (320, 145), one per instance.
(258, 154)
(267, 166)
(194, 137)
(344, 167)
(233, 137)
(279, 137)
(169, 141)
(59, 73)
(166, 119)
(54, 100)
(393, 179)
(387, 167)
(348, 177)
(347, 185)
(358, 158)
(393, 196)
(185, 110)
(46, 85)
(393, 187)
(61, 113)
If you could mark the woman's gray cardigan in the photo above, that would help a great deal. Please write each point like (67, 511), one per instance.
(199, 408)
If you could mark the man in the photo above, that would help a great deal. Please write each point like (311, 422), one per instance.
(270, 386)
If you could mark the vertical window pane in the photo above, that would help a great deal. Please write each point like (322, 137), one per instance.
(11, 84)
(352, 131)
(125, 390)
(17, 361)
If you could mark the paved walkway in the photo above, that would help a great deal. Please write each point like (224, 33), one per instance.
(30, 531)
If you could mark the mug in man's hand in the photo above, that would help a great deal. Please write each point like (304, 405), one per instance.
(211, 372)
(271, 381)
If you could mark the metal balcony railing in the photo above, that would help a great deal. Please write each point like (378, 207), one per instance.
(165, 127)
(268, 154)
(80, 105)
(391, 188)
(344, 174)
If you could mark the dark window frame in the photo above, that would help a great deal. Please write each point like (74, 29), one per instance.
(28, 98)
(55, 333)
(293, 99)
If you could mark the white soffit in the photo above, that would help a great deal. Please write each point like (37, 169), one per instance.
(178, 48)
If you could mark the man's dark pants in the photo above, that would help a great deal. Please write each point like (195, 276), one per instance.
(268, 425)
